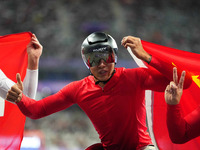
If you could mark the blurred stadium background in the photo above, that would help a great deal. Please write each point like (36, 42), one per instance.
(62, 25)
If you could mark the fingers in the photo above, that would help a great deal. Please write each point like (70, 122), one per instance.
(34, 42)
(175, 76)
(171, 88)
(181, 81)
(174, 90)
(33, 35)
(167, 89)
(13, 98)
(13, 94)
(34, 38)
(15, 89)
(130, 41)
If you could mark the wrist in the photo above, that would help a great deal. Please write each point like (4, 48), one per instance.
(147, 58)
(33, 64)
(19, 98)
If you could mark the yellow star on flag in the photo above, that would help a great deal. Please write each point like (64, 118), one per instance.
(196, 80)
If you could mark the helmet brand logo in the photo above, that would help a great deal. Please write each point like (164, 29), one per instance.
(99, 49)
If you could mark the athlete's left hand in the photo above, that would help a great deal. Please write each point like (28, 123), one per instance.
(174, 90)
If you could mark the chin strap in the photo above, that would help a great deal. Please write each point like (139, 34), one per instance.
(104, 82)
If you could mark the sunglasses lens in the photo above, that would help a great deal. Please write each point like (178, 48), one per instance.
(94, 58)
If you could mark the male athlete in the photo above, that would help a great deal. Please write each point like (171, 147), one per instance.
(113, 98)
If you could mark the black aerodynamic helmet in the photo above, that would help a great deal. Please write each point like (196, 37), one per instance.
(97, 46)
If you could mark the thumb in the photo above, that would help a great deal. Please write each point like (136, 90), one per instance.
(19, 81)
(18, 77)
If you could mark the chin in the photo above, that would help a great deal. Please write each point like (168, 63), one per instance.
(103, 79)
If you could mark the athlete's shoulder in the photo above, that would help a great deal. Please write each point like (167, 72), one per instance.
(74, 87)
(79, 83)
(120, 70)
(123, 70)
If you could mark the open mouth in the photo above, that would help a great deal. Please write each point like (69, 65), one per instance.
(103, 72)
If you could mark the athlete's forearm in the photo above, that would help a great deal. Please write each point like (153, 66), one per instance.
(31, 83)
(44, 107)
(176, 124)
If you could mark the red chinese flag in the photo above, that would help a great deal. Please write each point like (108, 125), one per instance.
(13, 59)
(156, 109)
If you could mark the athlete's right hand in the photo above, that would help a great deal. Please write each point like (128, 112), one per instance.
(15, 93)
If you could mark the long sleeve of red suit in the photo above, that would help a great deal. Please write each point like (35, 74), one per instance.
(51, 104)
(57, 102)
(117, 111)
(166, 69)
(182, 129)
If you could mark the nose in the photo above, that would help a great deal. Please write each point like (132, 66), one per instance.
(102, 63)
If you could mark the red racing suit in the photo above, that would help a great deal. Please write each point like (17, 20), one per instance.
(182, 129)
(117, 111)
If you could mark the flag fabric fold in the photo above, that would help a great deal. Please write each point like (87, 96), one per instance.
(13, 59)
(190, 62)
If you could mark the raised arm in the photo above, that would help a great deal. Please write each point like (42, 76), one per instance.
(164, 67)
(181, 129)
(34, 50)
(154, 79)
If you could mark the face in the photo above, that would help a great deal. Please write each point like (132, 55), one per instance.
(103, 70)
